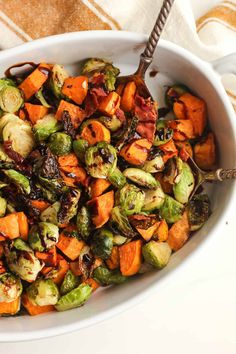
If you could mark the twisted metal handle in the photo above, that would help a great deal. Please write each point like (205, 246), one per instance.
(147, 55)
(220, 175)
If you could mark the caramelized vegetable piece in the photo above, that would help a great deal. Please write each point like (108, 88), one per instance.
(130, 257)
(136, 152)
(61, 271)
(98, 186)
(49, 258)
(75, 112)
(162, 231)
(35, 112)
(34, 310)
(205, 153)
(35, 80)
(70, 245)
(94, 132)
(75, 88)
(73, 176)
(196, 111)
(183, 129)
(179, 233)
(39, 204)
(68, 160)
(9, 226)
(179, 110)
(10, 308)
(110, 104)
(185, 149)
(169, 149)
(145, 225)
(101, 208)
(127, 100)
(23, 225)
(113, 261)
(91, 282)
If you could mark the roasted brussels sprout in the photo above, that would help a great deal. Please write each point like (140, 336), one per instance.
(102, 243)
(54, 185)
(70, 282)
(154, 165)
(183, 189)
(10, 99)
(163, 135)
(45, 127)
(43, 236)
(173, 170)
(58, 76)
(80, 146)
(119, 240)
(140, 177)
(113, 123)
(131, 199)
(198, 210)
(104, 276)
(50, 214)
(10, 287)
(19, 180)
(43, 292)
(83, 223)
(94, 64)
(153, 199)
(117, 178)
(22, 261)
(4, 82)
(121, 222)
(3, 206)
(46, 193)
(69, 206)
(156, 253)
(75, 298)
(60, 143)
(110, 74)
(174, 92)
(101, 160)
(39, 95)
(171, 210)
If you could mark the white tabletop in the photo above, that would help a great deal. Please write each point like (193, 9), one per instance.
(196, 314)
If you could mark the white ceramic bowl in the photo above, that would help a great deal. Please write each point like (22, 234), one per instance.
(174, 64)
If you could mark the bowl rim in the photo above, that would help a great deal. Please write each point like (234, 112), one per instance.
(215, 80)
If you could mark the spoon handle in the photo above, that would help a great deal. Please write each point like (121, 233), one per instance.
(220, 175)
(147, 55)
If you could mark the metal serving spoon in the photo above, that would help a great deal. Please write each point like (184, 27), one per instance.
(139, 78)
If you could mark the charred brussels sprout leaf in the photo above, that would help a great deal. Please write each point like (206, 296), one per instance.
(94, 64)
(117, 178)
(131, 199)
(154, 199)
(154, 165)
(140, 177)
(3, 206)
(173, 170)
(39, 95)
(54, 185)
(121, 222)
(46, 193)
(10, 287)
(83, 223)
(112, 123)
(156, 253)
(110, 74)
(21, 182)
(45, 127)
(171, 210)
(43, 236)
(69, 206)
(198, 211)
(174, 92)
(101, 160)
(75, 298)
(163, 135)
(104, 276)
(43, 292)
(102, 243)
(69, 283)
(50, 214)
(183, 189)
(119, 240)
(80, 146)
(10, 99)
(58, 76)
(60, 144)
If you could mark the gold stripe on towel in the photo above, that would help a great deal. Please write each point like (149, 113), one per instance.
(105, 14)
(222, 14)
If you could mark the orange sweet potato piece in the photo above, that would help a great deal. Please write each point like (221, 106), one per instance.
(94, 285)
(169, 150)
(22, 114)
(179, 110)
(2, 268)
(10, 308)
(49, 258)
(62, 268)
(120, 89)
(162, 231)
(136, 152)
(76, 88)
(35, 80)
(75, 112)
(102, 206)
(183, 129)
(98, 186)
(35, 112)
(9, 226)
(185, 149)
(70, 246)
(113, 261)
(145, 225)
(179, 233)
(75, 268)
(23, 225)
(130, 257)
(1, 249)
(205, 153)
(110, 103)
(195, 109)
(73, 176)
(94, 132)
(127, 99)
(34, 310)
(68, 160)
(39, 204)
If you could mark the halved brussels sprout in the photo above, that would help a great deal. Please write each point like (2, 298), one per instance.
(10, 287)
(119, 240)
(46, 193)
(10, 99)
(183, 189)
(131, 199)
(4, 82)
(3, 206)
(163, 135)
(173, 170)
(39, 95)
(171, 210)
(54, 185)
(93, 65)
(198, 211)
(43, 236)
(70, 282)
(101, 160)
(21, 182)
(50, 214)
(43, 292)
(105, 276)
(58, 76)
(121, 222)
(153, 199)
(83, 223)
(69, 206)
(75, 298)
(102, 243)
(154, 165)
(60, 143)
(45, 127)
(80, 146)
(117, 178)
(113, 123)
(174, 92)
(156, 253)
(140, 177)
